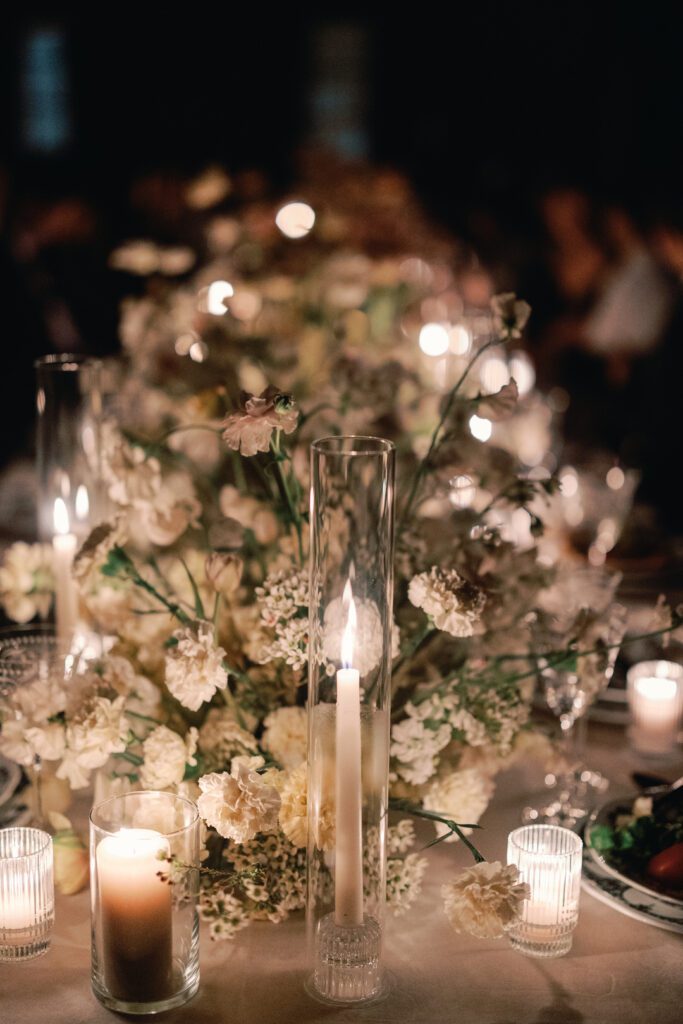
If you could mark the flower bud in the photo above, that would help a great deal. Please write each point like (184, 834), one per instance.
(224, 572)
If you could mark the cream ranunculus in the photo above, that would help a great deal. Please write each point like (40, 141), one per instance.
(240, 804)
(166, 755)
(485, 900)
(194, 667)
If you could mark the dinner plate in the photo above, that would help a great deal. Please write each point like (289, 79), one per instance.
(630, 897)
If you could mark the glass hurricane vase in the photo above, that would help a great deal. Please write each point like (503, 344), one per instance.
(351, 588)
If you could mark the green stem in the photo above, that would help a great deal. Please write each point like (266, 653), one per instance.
(286, 493)
(131, 758)
(454, 828)
(427, 630)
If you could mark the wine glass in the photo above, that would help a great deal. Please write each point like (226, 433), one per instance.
(576, 614)
(29, 654)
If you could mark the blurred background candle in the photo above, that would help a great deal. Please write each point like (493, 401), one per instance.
(549, 861)
(348, 878)
(26, 893)
(64, 545)
(655, 695)
(135, 914)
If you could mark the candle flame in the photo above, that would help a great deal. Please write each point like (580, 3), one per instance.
(61, 517)
(349, 634)
(82, 502)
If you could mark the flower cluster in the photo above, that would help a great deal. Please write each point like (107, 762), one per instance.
(26, 581)
(453, 604)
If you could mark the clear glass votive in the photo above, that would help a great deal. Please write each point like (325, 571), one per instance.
(27, 897)
(144, 884)
(549, 861)
(655, 697)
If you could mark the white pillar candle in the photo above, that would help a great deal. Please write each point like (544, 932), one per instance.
(135, 915)
(348, 878)
(64, 545)
(655, 693)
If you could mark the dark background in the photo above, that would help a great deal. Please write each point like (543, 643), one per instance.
(485, 108)
(482, 106)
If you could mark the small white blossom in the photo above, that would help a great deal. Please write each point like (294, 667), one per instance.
(485, 900)
(416, 748)
(225, 914)
(194, 667)
(453, 604)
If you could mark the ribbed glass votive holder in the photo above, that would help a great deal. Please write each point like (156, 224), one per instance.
(549, 861)
(26, 893)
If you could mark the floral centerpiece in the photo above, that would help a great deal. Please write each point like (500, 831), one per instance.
(200, 575)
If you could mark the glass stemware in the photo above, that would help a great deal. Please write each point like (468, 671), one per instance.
(29, 654)
(577, 614)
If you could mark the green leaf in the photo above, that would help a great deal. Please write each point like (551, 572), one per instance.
(198, 605)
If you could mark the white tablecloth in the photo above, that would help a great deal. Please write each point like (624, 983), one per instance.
(618, 970)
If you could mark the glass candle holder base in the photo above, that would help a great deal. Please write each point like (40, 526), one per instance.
(182, 993)
(347, 961)
(546, 946)
(21, 944)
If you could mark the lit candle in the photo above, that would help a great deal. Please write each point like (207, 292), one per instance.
(135, 914)
(64, 546)
(549, 861)
(655, 692)
(348, 881)
(26, 893)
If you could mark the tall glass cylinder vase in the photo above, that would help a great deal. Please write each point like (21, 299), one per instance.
(351, 593)
(69, 411)
(144, 885)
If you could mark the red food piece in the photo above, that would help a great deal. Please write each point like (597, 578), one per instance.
(667, 866)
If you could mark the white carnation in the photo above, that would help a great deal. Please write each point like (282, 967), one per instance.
(454, 605)
(485, 900)
(238, 805)
(26, 581)
(194, 667)
(166, 754)
(286, 735)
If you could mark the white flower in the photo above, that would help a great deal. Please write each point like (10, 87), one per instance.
(250, 513)
(166, 755)
(283, 603)
(238, 805)
(416, 747)
(194, 667)
(14, 743)
(26, 581)
(286, 735)
(250, 429)
(510, 315)
(369, 635)
(501, 404)
(485, 900)
(48, 741)
(224, 913)
(452, 603)
(98, 729)
(131, 476)
(221, 738)
(404, 881)
(173, 508)
(462, 796)
(224, 572)
(293, 806)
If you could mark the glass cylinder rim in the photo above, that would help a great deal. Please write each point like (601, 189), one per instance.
(657, 668)
(331, 445)
(66, 361)
(515, 838)
(25, 830)
(145, 792)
